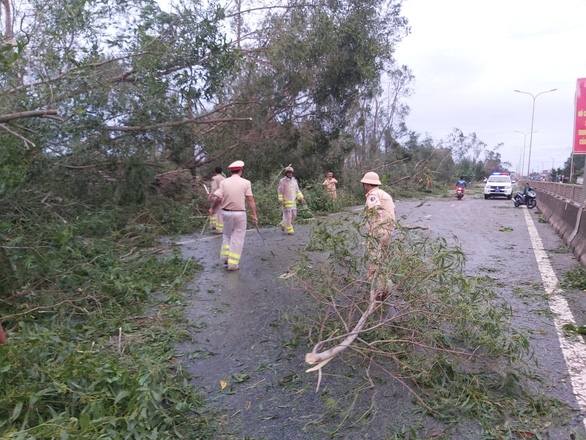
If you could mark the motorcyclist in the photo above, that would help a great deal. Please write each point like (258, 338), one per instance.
(523, 194)
(461, 182)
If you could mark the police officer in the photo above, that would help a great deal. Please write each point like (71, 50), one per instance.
(330, 184)
(231, 195)
(289, 193)
(216, 219)
(380, 214)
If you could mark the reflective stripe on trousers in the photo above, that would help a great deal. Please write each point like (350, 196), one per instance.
(288, 217)
(219, 225)
(216, 224)
(233, 237)
(217, 218)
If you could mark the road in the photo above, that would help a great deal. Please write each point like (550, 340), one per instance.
(520, 251)
(244, 334)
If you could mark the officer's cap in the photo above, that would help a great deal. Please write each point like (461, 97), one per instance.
(238, 165)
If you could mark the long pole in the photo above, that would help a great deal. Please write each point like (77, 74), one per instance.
(524, 146)
(521, 162)
(532, 119)
(519, 170)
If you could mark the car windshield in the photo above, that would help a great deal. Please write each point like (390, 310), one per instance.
(499, 179)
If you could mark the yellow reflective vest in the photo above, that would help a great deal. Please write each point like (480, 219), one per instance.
(289, 193)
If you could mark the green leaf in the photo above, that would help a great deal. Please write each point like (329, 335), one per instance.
(84, 421)
(17, 410)
(121, 395)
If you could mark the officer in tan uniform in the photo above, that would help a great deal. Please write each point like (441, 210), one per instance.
(232, 194)
(216, 219)
(289, 193)
(330, 184)
(380, 213)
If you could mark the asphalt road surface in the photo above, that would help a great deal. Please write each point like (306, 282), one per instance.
(248, 360)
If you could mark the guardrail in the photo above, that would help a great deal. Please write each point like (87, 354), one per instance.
(563, 207)
(572, 193)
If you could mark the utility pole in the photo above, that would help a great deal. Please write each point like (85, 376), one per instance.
(532, 118)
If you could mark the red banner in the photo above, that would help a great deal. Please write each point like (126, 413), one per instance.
(580, 122)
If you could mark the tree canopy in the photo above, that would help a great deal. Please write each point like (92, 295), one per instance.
(98, 96)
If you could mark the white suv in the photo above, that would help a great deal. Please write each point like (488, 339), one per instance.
(498, 184)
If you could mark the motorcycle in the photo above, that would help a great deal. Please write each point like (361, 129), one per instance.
(459, 192)
(529, 199)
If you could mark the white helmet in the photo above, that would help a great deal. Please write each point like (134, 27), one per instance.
(289, 170)
(238, 165)
(371, 178)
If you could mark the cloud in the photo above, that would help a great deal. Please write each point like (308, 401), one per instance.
(468, 57)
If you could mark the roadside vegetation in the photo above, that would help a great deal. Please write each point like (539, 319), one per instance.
(93, 310)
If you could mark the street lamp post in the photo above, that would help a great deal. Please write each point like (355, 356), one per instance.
(519, 164)
(524, 146)
(532, 118)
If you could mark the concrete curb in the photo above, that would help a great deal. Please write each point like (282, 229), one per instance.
(562, 214)
(578, 244)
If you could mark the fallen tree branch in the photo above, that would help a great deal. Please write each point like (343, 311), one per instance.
(418, 319)
(175, 124)
(199, 120)
(29, 114)
(424, 228)
(27, 142)
(325, 356)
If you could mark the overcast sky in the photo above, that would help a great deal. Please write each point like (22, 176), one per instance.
(468, 57)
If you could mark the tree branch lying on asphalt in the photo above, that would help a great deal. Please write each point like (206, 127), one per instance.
(419, 319)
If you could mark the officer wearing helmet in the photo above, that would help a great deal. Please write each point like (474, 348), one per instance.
(231, 195)
(289, 193)
(380, 216)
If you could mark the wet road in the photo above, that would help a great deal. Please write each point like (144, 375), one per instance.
(243, 320)
(497, 240)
